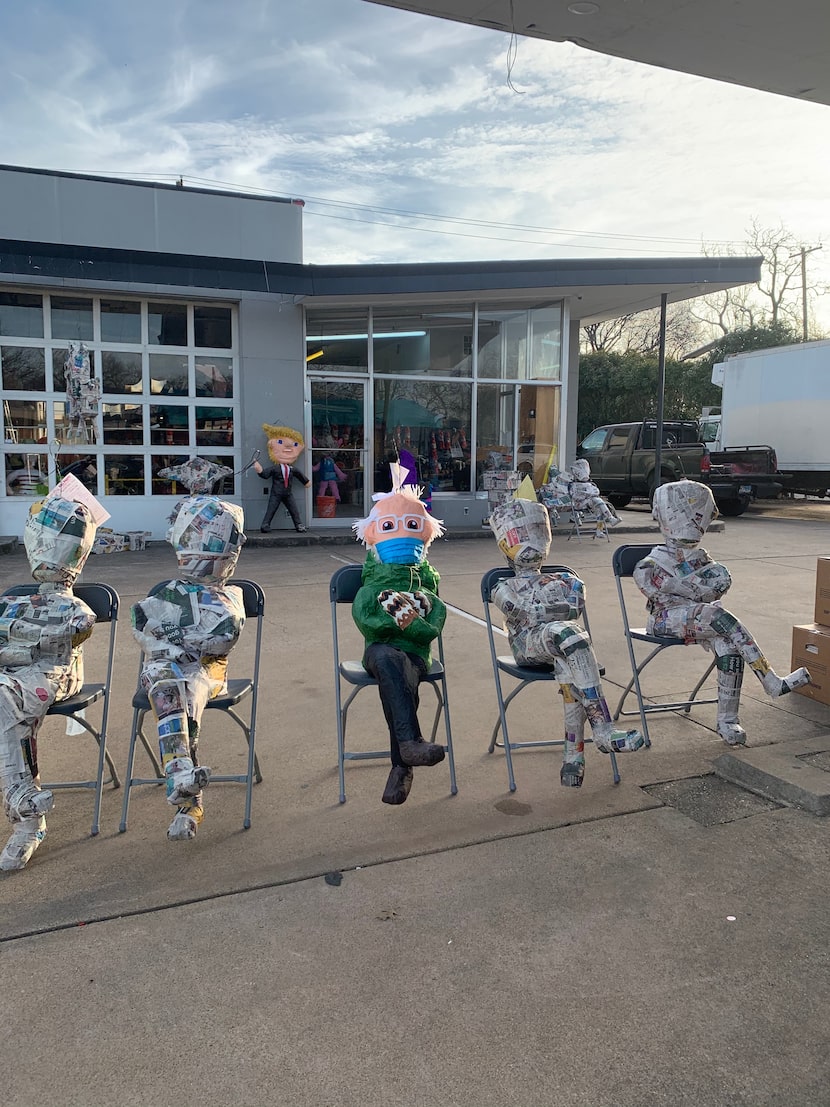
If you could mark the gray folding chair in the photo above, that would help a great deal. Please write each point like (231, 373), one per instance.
(525, 674)
(624, 560)
(104, 602)
(343, 588)
(239, 689)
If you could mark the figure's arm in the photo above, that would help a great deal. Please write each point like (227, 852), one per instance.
(697, 585)
(266, 474)
(386, 616)
(301, 477)
(564, 595)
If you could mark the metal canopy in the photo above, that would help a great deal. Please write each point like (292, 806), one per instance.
(762, 44)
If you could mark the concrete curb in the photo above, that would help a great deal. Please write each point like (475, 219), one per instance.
(782, 773)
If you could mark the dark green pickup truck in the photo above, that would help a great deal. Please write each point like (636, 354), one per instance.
(622, 459)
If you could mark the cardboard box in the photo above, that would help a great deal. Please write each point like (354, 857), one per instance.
(811, 647)
(822, 613)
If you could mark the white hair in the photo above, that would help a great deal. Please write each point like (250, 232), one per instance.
(434, 527)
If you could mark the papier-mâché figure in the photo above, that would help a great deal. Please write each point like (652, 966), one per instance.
(186, 628)
(41, 655)
(683, 586)
(540, 616)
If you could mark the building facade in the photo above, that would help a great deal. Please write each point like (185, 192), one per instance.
(202, 323)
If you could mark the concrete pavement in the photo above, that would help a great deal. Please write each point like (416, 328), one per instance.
(553, 946)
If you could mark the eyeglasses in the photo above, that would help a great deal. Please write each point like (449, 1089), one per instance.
(413, 523)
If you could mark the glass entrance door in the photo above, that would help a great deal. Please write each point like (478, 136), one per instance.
(338, 451)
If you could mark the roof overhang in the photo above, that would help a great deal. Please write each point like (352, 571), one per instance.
(595, 290)
(762, 44)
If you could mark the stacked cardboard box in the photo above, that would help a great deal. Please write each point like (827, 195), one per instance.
(811, 642)
(108, 541)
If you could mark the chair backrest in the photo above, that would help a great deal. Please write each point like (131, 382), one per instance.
(492, 577)
(253, 597)
(102, 599)
(345, 583)
(626, 558)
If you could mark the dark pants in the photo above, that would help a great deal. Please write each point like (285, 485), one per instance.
(398, 675)
(281, 495)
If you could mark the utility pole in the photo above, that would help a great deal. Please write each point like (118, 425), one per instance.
(804, 252)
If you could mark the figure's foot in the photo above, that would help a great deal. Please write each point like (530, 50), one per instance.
(264, 530)
(187, 781)
(419, 752)
(571, 774)
(186, 820)
(26, 837)
(732, 733)
(397, 785)
(25, 800)
(619, 741)
(615, 522)
(301, 529)
(775, 685)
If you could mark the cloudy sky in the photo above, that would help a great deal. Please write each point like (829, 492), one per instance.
(403, 134)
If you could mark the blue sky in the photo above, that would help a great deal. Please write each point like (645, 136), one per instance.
(369, 114)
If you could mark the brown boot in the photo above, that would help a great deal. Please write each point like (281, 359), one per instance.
(397, 785)
(419, 752)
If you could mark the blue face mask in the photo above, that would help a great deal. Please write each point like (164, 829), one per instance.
(400, 551)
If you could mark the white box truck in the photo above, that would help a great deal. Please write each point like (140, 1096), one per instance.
(781, 398)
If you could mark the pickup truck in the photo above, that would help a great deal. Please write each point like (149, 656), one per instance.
(622, 459)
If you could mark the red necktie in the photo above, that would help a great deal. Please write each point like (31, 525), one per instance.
(285, 474)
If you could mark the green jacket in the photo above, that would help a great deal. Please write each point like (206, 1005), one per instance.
(376, 625)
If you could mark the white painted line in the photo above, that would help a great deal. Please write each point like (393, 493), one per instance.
(472, 618)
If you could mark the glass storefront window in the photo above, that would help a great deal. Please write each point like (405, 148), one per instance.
(214, 426)
(546, 343)
(495, 413)
(123, 475)
(167, 324)
(168, 425)
(23, 369)
(214, 377)
(431, 421)
(120, 321)
(121, 424)
(27, 474)
(161, 486)
(24, 421)
(83, 466)
(433, 342)
(539, 412)
(502, 344)
(72, 318)
(58, 362)
(338, 344)
(121, 372)
(212, 327)
(168, 375)
(21, 315)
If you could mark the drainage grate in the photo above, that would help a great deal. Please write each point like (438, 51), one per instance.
(819, 760)
(709, 800)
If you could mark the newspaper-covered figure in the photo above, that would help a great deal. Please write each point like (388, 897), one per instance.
(186, 629)
(399, 614)
(684, 586)
(541, 613)
(41, 653)
(585, 496)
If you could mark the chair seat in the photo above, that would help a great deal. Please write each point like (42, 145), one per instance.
(237, 689)
(643, 635)
(509, 665)
(354, 673)
(90, 693)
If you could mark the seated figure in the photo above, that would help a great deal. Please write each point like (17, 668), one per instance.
(186, 629)
(540, 617)
(399, 614)
(41, 655)
(684, 586)
(585, 495)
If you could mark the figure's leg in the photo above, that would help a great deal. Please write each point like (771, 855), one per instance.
(291, 508)
(24, 802)
(730, 670)
(573, 761)
(398, 675)
(270, 511)
(178, 695)
(569, 642)
(707, 622)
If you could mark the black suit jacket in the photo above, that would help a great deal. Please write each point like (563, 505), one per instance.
(274, 474)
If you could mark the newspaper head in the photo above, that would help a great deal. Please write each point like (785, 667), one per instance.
(207, 534)
(581, 470)
(58, 537)
(684, 509)
(522, 530)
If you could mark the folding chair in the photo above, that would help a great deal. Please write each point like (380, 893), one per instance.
(239, 689)
(624, 561)
(525, 674)
(343, 587)
(104, 602)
